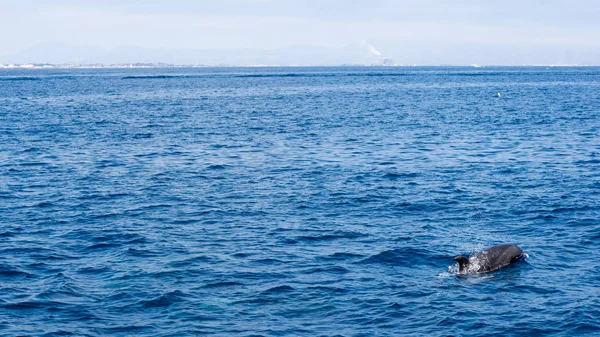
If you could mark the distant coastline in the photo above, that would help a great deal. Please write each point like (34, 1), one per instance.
(94, 66)
(169, 65)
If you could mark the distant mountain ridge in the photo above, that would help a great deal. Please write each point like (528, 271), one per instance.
(407, 53)
(293, 55)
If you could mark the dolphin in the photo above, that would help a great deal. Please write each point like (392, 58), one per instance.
(490, 259)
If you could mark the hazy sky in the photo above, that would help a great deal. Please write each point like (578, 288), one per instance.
(409, 31)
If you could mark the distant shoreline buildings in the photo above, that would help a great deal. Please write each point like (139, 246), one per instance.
(386, 62)
(92, 66)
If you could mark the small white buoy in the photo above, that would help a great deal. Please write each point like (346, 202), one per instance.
(498, 95)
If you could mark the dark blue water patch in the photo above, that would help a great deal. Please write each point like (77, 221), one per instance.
(19, 78)
(8, 233)
(164, 300)
(39, 78)
(475, 74)
(224, 284)
(406, 256)
(157, 77)
(294, 75)
(588, 162)
(217, 167)
(12, 273)
(94, 270)
(142, 135)
(543, 217)
(399, 175)
(284, 75)
(278, 290)
(298, 201)
(103, 246)
(32, 305)
(324, 237)
(332, 270)
(126, 330)
(340, 256)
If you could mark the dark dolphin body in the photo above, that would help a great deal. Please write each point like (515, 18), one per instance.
(489, 259)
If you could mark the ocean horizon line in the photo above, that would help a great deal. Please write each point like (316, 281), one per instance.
(171, 65)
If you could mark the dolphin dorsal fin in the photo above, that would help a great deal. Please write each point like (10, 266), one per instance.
(462, 262)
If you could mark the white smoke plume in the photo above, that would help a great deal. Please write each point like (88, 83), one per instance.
(374, 50)
(371, 48)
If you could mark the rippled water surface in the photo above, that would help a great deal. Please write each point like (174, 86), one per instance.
(298, 201)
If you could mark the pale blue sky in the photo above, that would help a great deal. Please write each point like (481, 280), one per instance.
(409, 31)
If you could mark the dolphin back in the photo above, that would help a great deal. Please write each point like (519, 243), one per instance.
(493, 258)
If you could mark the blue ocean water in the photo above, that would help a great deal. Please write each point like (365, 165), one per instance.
(298, 201)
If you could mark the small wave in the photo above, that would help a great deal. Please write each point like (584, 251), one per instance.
(588, 162)
(142, 135)
(543, 217)
(43, 204)
(59, 333)
(329, 289)
(378, 75)
(507, 171)
(283, 75)
(12, 273)
(572, 209)
(403, 257)
(61, 295)
(257, 275)
(152, 77)
(332, 270)
(106, 122)
(278, 290)
(143, 252)
(539, 290)
(103, 246)
(268, 261)
(31, 149)
(323, 75)
(121, 237)
(125, 330)
(24, 78)
(7, 234)
(151, 207)
(222, 284)
(327, 237)
(473, 74)
(394, 175)
(241, 255)
(33, 164)
(164, 300)
(163, 77)
(26, 305)
(217, 167)
(94, 270)
(341, 256)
